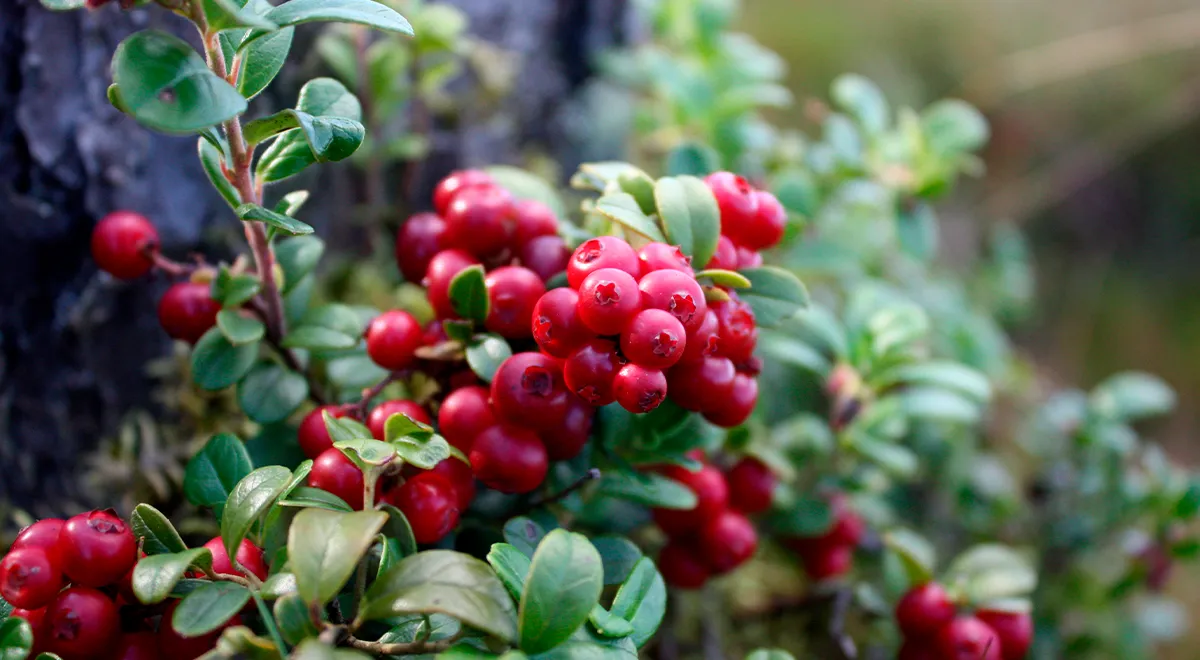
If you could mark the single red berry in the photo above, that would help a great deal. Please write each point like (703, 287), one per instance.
(378, 418)
(917, 650)
(1015, 630)
(464, 414)
(654, 339)
(677, 293)
(712, 496)
(419, 238)
(567, 442)
(248, 555)
(737, 330)
(747, 258)
(442, 269)
(100, 548)
(313, 435)
(513, 292)
(187, 311)
(137, 646)
(122, 243)
(528, 390)
(704, 341)
(725, 257)
(599, 253)
(393, 338)
(545, 255)
(968, 638)
(589, 371)
(509, 459)
(456, 182)
(480, 220)
(701, 386)
(736, 409)
(28, 579)
(557, 327)
(848, 526)
(681, 567)
(533, 219)
(924, 610)
(638, 389)
(751, 486)
(737, 202)
(727, 541)
(430, 504)
(80, 623)
(32, 617)
(459, 474)
(828, 561)
(173, 646)
(334, 472)
(769, 222)
(608, 300)
(660, 256)
(44, 534)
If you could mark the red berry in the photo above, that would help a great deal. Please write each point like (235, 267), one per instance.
(334, 472)
(598, 253)
(456, 182)
(917, 650)
(828, 561)
(727, 541)
(28, 579)
(747, 258)
(509, 459)
(681, 567)
(430, 504)
(137, 646)
(751, 486)
(660, 256)
(464, 414)
(677, 293)
(608, 300)
(654, 339)
(173, 646)
(968, 638)
(739, 206)
(32, 617)
(187, 311)
(378, 418)
(557, 327)
(121, 243)
(590, 370)
(419, 238)
(725, 257)
(737, 331)
(442, 268)
(100, 548)
(712, 496)
(638, 389)
(566, 443)
(479, 220)
(459, 474)
(701, 386)
(80, 623)
(703, 341)
(313, 435)
(1015, 630)
(848, 526)
(528, 390)
(533, 219)
(545, 255)
(393, 338)
(513, 292)
(43, 534)
(923, 611)
(769, 222)
(735, 409)
(248, 555)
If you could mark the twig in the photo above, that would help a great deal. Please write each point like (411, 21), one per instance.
(837, 623)
(422, 646)
(360, 409)
(315, 391)
(710, 632)
(591, 475)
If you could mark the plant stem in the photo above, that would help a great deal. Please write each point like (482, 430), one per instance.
(360, 409)
(379, 648)
(269, 622)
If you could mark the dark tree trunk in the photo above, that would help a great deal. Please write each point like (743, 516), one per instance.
(74, 342)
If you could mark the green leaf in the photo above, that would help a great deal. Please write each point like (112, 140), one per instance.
(291, 203)
(215, 471)
(330, 138)
(774, 295)
(896, 459)
(313, 649)
(939, 405)
(61, 5)
(915, 552)
(917, 230)
(398, 530)
(291, 153)
(619, 555)
(623, 209)
(294, 619)
(951, 127)
(208, 608)
(1132, 395)
(367, 453)
(324, 547)
(648, 488)
(770, 654)
(485, 353)
(468, 294)
(326, 328)
(596, 176)
(232, 290)
(608, 624)
(314, 498)
(167, 86)
(642, 600)
(217, 364)
(424, 453)
(271, 392)
(154, 531)
(990, 572)
(278, 586)
(727, 278)
(262, 60)
(511, 566)
(238, 328)
(862, 99)
(226, 14)
(524, 534)
(155, 577)
(564, 584)
(445, 582)
(796, 190)
(689, 215)
(256, 213)
(948, 375)
(210, 159)
(360, 12)
(639, 184)
(694, 158)
(807, 516)
(522, 184)
(298, 257)
(400, 425)
(16, 639)
(250, 499)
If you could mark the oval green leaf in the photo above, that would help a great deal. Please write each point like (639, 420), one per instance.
(774, 294)
(213, 473)
(468, 294)
(250, 499)
(485, 353)
(208, 608)
(154, 531)
(155, 577)
(271, 392)
(623, 209)
(239, 328)
(217, 363)
(564, 584)
(642, 600)
(689, 215)
(324, 547)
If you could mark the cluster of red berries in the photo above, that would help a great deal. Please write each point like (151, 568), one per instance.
(751, 220)
(71, 580)
(831, 554)
(715, 536)
(934, 630)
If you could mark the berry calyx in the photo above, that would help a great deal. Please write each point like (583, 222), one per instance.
(313, 435)
(479, 220)
(509, 459)
(430, 504)
(677, 293)
(557, 328)
(1015, 630)
(80, 622)
(712, 496)
(968, 638)
(187, 311)
(44, 534)
(419, 238)
(681, 567)
(456, 182)
(393, 338)
(512, 292)
(924, 610)
(334, 472)
(661, 256)
(100, 548)
(638, 389)
(248, 555)
(442, 269)
(464, 414)
(377, 420)
(751, 486)
(28, 579)
(608, 300)
(654, 339)
(599, 253)
(528, 390)
(533, 219)
(727, 541)
(590, 370)
(122, 244)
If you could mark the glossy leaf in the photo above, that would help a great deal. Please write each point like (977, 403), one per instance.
(524, 534)
(915, 552)
(694, 158)
(398, 530)
(154, 531)
(226, 14)
(361, 12)
(262, 60)
(290, 153)
(294, 619)
(330, 138)
(326, 328)
(623, 209)
(648, 488)
(208, 608)
(690, 216)
(217, 364)
(305, 497)
(298, 257)
(155, 577)
(619, 556)
(989, 572)
(256, 213)
(250, 499)
(232, 290)
(511, 566)
(468, 294)
(211, 159)
(16, 639)
(608, 624)
(238, 328)
(485, 353)
(641, 187)
(949, 375)
(642, 600)
(727, 278)
(215, 471)
(565, 579)
(367, 453)
(424, 453)
(324, 547)
(271, 392)
(774, 294)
